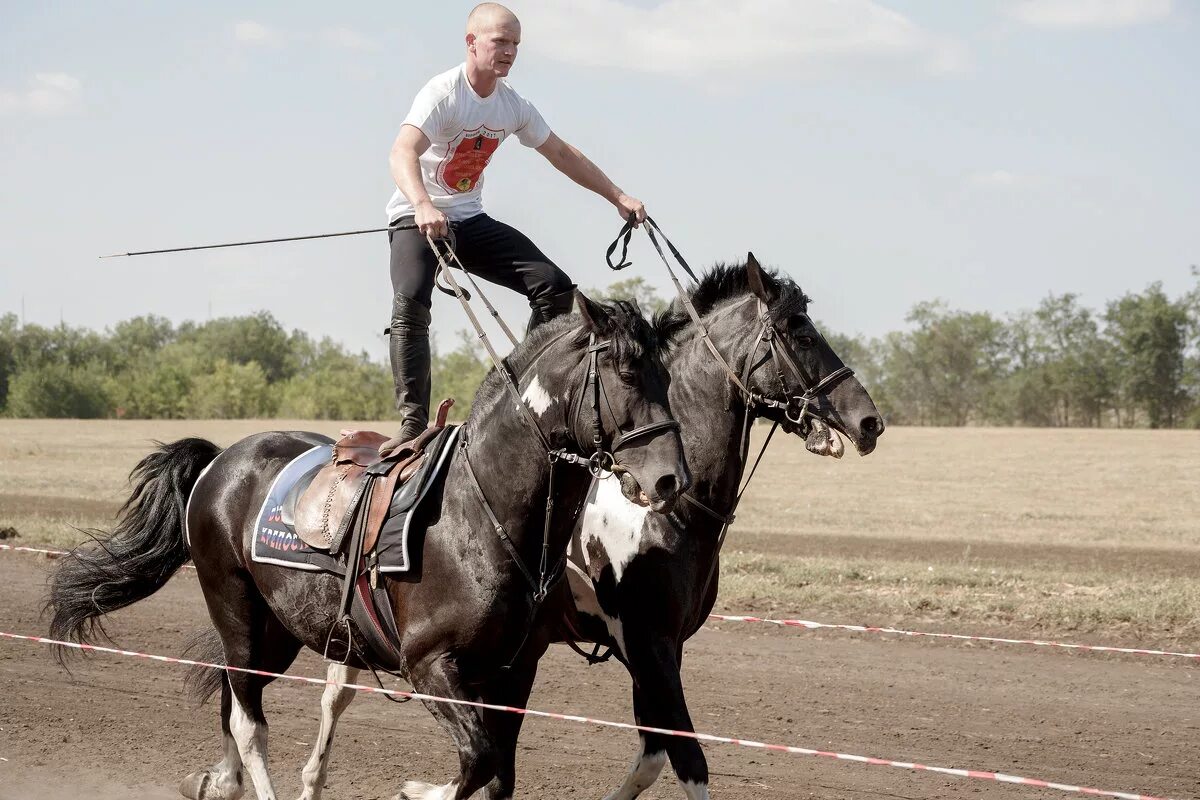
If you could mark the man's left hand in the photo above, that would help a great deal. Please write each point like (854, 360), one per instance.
(627, 205)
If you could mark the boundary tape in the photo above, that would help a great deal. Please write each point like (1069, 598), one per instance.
(703, 737)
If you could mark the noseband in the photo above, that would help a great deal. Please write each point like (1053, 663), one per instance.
(797, 405)
(605, 461)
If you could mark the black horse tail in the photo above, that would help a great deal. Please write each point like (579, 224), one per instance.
(141, 553)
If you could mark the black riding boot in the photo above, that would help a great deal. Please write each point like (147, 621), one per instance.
(547, 307)
(409, 345)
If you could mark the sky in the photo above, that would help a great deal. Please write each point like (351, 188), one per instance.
(881, 152)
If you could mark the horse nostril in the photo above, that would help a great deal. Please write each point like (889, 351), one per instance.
(666, 487)
(872, 426)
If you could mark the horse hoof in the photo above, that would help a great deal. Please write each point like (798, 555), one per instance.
(202, 785)
(418, 790)
(194, 785)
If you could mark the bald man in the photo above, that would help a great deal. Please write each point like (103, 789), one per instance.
(455, 125)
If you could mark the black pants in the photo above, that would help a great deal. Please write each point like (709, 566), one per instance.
(488, 248)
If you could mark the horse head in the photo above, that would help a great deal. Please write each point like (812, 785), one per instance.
(793, 364)
(623, 410)
(598, 387)
(775, 357)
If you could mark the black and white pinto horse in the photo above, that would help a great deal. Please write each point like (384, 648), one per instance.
(461, 617)
(643, 583)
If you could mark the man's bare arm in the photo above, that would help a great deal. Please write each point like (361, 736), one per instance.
(576, 166)
(405, 166)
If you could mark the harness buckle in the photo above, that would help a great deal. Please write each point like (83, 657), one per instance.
(601, 462)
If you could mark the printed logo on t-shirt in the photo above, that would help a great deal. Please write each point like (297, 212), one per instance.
(468, 154)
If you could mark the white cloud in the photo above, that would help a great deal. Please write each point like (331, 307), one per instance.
(710, 38)
(255, 33)
(47, 93)
(1066, 14)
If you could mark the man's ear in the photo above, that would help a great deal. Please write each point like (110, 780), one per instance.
(595, 318)
(761, 283)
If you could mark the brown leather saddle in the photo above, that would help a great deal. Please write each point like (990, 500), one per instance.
(343, 511)
(333, 501)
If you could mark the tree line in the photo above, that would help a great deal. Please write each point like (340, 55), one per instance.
(1134, 363)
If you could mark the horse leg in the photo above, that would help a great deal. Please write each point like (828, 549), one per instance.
(333, 702)
(223, 780)
(647, 764)
(659, 702)
(512, 688)
(476, 753)
(253, 638)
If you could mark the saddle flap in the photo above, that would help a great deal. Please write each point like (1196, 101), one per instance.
(326, 502)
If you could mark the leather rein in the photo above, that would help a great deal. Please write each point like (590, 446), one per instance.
(597, 464)
(797, 405)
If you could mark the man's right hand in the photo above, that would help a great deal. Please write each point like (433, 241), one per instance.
(431, 221)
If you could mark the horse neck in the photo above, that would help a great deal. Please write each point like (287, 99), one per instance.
(508, 458)
(710, 409)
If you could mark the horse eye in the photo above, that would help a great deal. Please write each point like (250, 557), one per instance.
(805, 341)
(628, 376)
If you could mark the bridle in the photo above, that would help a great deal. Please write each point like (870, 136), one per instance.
(797, 400)
(599, 462)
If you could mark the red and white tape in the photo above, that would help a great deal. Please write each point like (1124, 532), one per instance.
(703, 737)
(962, 637)
(810, 625)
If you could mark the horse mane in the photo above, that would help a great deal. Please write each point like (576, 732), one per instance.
(630, 336)
(724, 282)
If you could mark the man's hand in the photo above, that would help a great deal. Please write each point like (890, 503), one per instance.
(627, 205)
(431, 221)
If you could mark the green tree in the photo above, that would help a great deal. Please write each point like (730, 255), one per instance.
(8, 355)
(636, 288)
(947, 369)
(241, 340)
(335, 385)
(135, 341)
(1150, 334)
(231, 391)
(457, 374)
(60, 390)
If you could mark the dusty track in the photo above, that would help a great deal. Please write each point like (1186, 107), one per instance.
(122, 728)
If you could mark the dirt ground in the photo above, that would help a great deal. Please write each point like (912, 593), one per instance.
(122, 728)
(1094, 536)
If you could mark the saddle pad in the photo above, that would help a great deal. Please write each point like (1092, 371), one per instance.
(276, 541)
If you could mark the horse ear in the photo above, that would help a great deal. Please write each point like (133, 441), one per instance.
(761, 283)
(595, 318)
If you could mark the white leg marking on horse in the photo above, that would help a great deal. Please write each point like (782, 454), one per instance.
(222, 781)
(537, 397)
(251, 738)
(416, 790)
(644, 771)
(333, 702)
(695, 791)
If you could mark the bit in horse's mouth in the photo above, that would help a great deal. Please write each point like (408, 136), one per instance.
(632, 490)
(824, 440)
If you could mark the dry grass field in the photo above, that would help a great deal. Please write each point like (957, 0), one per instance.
(1094, 534)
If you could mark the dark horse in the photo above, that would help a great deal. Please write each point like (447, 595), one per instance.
(461, 617)
(644, 583)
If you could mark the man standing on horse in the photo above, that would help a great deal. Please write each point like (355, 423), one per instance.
(455, 125)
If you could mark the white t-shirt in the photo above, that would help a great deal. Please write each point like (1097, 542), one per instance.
(464, 131)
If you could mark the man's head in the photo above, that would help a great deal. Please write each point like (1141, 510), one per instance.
(493, 33)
